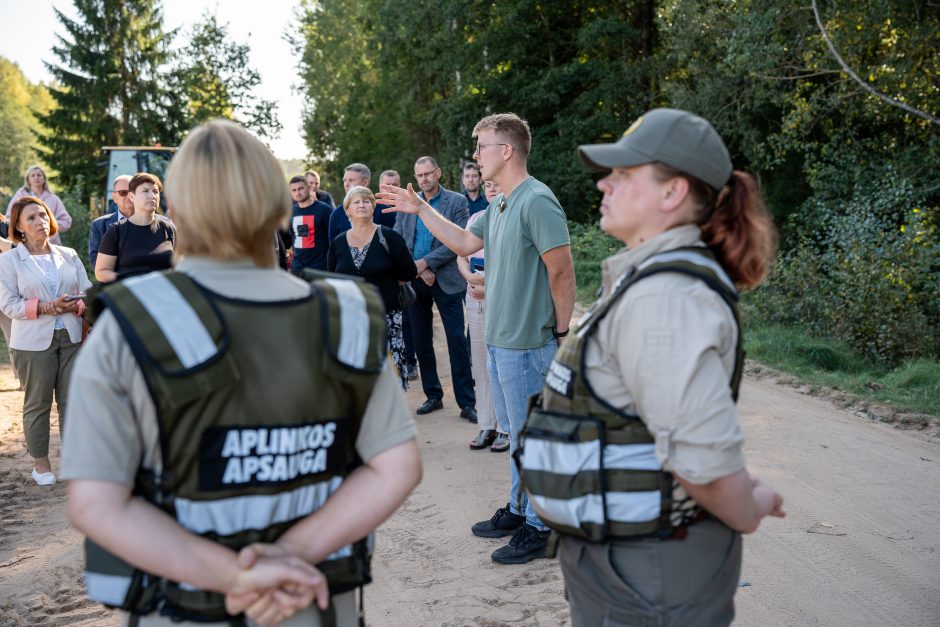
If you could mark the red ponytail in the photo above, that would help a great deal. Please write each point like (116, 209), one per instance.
(741, 232)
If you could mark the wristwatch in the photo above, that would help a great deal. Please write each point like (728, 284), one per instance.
(559, 334)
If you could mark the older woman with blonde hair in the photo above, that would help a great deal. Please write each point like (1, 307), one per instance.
(36, 184)
(379, 255)
(209, 461)
(41, 288)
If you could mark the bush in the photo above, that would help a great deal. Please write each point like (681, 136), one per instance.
(870, 277)
(589, 247)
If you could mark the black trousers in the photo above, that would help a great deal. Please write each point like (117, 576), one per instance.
(450, 308)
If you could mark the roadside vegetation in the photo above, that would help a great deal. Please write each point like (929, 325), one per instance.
(829, 352)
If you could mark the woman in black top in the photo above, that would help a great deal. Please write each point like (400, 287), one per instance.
(380, 256)
(142, 243)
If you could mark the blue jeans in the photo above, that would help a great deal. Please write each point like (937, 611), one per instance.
(515, 375)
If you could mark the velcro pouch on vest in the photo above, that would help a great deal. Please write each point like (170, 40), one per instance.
(354, 326)
(177, 335)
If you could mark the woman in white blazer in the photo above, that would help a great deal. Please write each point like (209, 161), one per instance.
(41, 286)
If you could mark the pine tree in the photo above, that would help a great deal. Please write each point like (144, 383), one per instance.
(216, 80)
(110, 87)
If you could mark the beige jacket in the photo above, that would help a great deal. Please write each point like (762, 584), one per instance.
(665, 352)
(23, 285)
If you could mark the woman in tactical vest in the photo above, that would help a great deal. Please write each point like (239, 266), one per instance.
(212, 465)
(633, 455)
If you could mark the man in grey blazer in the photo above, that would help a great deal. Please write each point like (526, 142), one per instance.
(438, 282)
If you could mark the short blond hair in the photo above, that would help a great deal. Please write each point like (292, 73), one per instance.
(358, 190)
(227, 194)
(509, 128)
(45, 179)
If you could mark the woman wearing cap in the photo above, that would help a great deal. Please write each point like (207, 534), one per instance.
(654, 367)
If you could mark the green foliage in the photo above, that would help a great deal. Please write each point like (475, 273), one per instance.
(910, 386)
(589, 247)
(76, 237)
(414, 79)
(216, 81)
(21, 104)
(850, 178)
(866, 276)
(110, 87)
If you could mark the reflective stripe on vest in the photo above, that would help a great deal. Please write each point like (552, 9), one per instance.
(179, 322)
(107, 589)
(243, 463)
(589, 469)
(353, 323)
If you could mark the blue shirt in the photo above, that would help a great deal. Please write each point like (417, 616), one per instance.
(478, 205)
(423, 237)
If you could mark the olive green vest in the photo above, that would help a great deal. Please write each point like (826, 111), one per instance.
(259, 405)
(589, 469)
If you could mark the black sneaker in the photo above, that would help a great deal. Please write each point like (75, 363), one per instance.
(503, 523)
(527, 544)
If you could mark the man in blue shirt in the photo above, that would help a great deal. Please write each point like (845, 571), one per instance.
(473, 188)
(125, 206)
(438, 283)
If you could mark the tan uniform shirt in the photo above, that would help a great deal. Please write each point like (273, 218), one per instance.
(665, 352)
(112, 423)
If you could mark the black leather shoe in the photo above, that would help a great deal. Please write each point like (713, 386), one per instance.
(483, 440)
(432, 404)
(411, 373)
(469, 413)
(527, 544)
(503, 523)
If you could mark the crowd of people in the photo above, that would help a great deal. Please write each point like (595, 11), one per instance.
(199, 502)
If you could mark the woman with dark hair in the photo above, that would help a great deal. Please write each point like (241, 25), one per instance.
(379, 255)
(142, 243)
(41, 289)
(36, 184)
(633, 454)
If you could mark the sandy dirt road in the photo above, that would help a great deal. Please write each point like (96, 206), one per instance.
(861, 544)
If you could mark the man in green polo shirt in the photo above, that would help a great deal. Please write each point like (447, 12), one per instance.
(530, 291)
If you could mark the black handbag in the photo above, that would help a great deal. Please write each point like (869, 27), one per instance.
(406, 293)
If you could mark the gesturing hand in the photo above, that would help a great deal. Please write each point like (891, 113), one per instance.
(398, 199)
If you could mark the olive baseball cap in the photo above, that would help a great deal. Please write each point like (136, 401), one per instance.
(676, 138)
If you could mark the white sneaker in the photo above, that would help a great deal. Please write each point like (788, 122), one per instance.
(43, 478)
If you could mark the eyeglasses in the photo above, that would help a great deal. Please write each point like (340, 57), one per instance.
(422, 175)
(121, 192)
(480, 147)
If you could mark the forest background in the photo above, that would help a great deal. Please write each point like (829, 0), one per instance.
(834, 106)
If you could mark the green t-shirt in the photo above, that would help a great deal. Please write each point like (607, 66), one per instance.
(519, 308)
